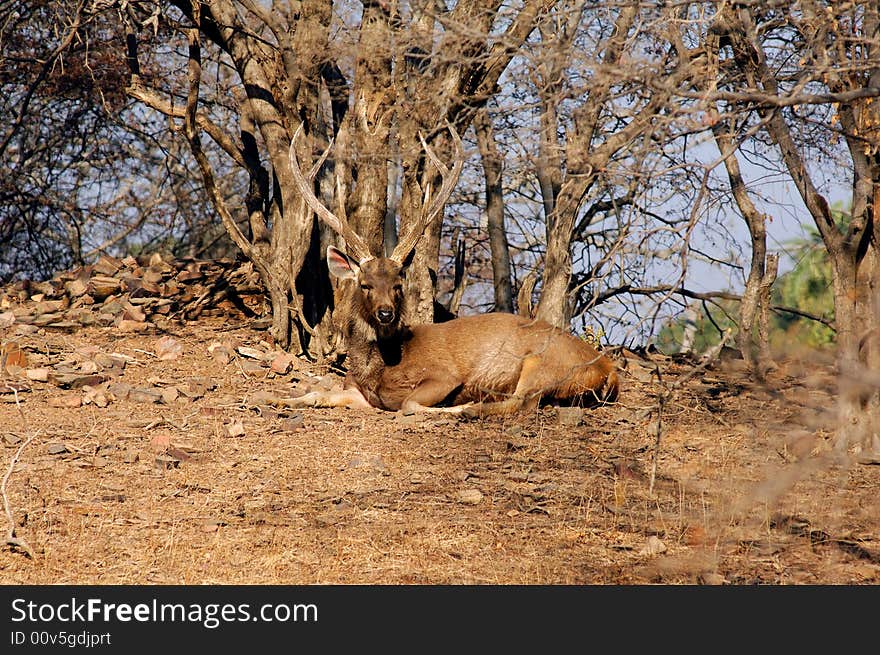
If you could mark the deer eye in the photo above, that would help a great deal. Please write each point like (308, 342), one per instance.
(367, 287)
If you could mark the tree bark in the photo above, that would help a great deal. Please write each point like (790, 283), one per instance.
(752, 295)
(492, 168)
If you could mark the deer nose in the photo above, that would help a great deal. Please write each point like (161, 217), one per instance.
(385, 315)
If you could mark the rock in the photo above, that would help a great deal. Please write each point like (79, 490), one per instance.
(653, 546)
(119, 390)
(253, 369)
(169, 395)
(410, 419)
(96, 396)
(132, 313)
(160, 442)
(570, 416)
(76, 380)
(469, 497)
(178, 453)
(281, 363)
(126, 325)
(166, 462)
(197, 387)
(101, 287)
(234, 429)
(168, 348)
(292, 423)
(113, 365)
(56, 449)
(67, 401)
(76, 288)
(26, 329)
(220, 353)
(82, 317)
(152, 276)
(252, 353)
(145, 395)
(106, 265)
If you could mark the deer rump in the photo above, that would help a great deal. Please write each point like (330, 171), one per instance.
(501, 362)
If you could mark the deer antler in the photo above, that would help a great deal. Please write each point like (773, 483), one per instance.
(432, 206)
(357, 247)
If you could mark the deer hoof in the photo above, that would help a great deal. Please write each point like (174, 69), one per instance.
(306, 400)
(468, 410)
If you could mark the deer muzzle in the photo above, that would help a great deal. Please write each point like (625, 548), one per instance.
(385, 315)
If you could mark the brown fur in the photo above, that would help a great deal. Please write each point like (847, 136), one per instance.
(493, 363)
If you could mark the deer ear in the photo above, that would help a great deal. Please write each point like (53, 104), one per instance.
(340, 264)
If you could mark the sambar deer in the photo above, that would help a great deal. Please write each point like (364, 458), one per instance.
(495, 363)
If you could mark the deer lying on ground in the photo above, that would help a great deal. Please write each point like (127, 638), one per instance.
(487, 364)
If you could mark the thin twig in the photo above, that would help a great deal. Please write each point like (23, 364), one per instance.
(665, 395)
(11, 539)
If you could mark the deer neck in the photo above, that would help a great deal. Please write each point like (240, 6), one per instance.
(390, 348)
(369, 346)
(368, 359)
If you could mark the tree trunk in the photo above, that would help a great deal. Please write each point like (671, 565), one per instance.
(756, 283)
(369, 124)
(584, 161)
(492, 162)
(555, 303)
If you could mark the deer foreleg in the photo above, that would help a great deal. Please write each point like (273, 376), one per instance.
(346, 398)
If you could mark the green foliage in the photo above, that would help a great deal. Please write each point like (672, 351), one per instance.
(807, 287)
(709, 323)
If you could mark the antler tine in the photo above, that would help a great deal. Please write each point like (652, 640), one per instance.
(357, 246)
(431, 207)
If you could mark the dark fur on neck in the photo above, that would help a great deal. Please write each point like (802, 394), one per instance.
(369, 355)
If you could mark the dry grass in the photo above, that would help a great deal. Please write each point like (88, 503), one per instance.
(746, 490)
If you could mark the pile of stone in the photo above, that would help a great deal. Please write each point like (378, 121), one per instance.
(136, 292)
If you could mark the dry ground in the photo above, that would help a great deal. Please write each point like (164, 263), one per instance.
(226, 488)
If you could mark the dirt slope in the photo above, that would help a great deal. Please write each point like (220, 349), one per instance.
(180, 468)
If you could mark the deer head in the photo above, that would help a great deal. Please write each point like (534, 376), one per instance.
(379, 291)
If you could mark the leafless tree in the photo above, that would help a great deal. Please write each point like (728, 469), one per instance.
(816, 98)
(354, 74)
(83, 169)
(492, 170)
